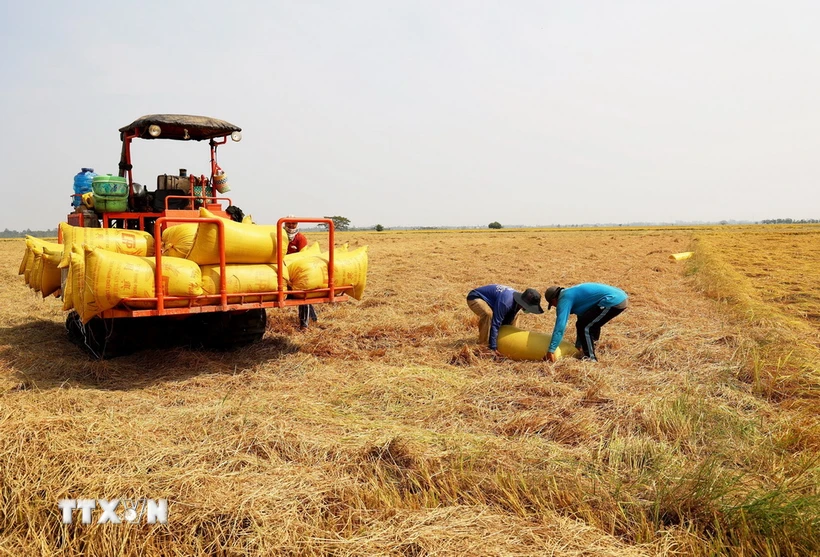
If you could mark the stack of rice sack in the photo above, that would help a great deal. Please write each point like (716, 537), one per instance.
(311, 271)
(95, 269)
(105, 265)
(39, 266)
(250, 254)
(250, 257)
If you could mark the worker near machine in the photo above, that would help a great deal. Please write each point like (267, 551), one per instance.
(296, 243)
(496, 305)
(594, 305)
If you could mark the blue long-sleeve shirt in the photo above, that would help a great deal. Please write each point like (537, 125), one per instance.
(578, 299)
(500, 299)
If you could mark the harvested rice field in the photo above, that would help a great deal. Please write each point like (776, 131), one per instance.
(384, 430)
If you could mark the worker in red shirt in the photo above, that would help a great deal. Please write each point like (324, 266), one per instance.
(296, 243)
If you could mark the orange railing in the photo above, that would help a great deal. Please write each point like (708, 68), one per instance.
(225, 301)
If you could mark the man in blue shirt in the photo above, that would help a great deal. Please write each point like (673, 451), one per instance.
(594, 304)
(496, 305)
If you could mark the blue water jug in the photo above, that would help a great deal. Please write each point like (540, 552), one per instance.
(82, 184)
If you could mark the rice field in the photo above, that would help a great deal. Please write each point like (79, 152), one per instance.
(383, 430)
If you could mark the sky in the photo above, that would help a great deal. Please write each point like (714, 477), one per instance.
(426, 113)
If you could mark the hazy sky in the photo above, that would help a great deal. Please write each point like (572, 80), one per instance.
(434, 113)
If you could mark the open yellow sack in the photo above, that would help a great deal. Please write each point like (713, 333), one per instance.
(518, 344)
(110, 277)
(244, 243)
(250, 279)
(310, 272)
(129, 242)
(178, 240)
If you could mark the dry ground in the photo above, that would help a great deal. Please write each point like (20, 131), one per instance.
(382, 431)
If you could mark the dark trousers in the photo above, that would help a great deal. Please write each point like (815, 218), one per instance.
(588, 326)
(306, 313)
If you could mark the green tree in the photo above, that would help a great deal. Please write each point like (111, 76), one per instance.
(339, 223)
(379, 228)
(496, 225)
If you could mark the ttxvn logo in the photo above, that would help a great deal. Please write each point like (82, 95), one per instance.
(132, 510)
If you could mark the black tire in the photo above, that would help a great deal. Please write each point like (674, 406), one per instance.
(224, 331)
(100, 338)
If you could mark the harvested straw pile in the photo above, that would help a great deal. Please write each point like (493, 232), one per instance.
(382, 431)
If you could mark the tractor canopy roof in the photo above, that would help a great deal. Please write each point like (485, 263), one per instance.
(179, 126)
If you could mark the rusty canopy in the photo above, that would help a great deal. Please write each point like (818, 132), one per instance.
(180, 126)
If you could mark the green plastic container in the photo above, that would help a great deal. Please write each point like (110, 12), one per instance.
(110, 203)
(110, 186)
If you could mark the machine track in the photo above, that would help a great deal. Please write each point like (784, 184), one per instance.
(110, 338)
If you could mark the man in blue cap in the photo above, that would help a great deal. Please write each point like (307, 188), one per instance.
(595, 304)
(496, 305)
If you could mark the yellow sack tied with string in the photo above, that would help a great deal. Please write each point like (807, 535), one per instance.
(251, 279)
(244, 243)
(129, 242)
(309, 273)
(178, 240)
(518, 344)
(110, 277)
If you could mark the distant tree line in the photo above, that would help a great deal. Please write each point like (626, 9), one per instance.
(28, 232)
(790, 221)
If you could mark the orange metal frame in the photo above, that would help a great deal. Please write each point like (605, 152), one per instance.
(219, 302)
(215, 302)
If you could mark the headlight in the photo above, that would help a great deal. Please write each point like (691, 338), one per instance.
(154, 130)
(236, 136)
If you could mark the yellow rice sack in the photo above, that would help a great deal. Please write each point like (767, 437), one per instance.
(54, 246)
(68, 288)
(350, 267)
(178, 240)
(75, 281)
(250, 279)
(244, 243)
(36, 275)
(78, 263)
(129, 242)
(110, 277)
(26, 255)
(518, 344)
(51, 279)
(29, 268)
(310, 272)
